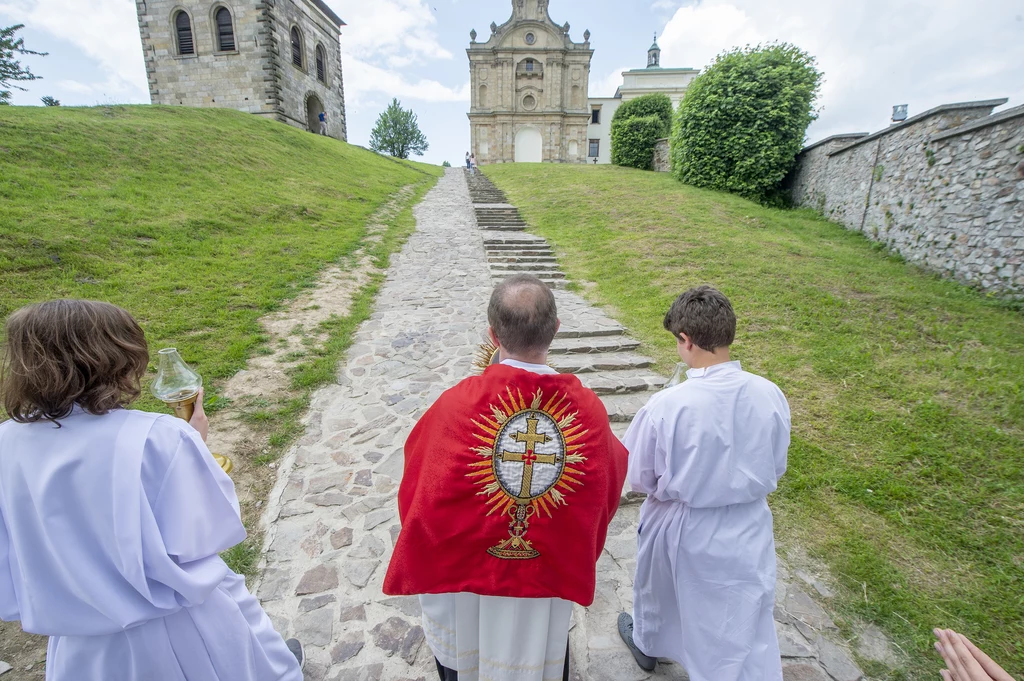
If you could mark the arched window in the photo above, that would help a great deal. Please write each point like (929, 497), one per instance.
(321, 64)
(183, 29)
(296, 47)
(225, 31)
(529, 66)
(481, 101)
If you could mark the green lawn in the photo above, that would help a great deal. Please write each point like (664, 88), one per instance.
(198, 222)
(907, 465)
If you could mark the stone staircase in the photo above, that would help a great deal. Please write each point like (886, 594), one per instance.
(589, 343)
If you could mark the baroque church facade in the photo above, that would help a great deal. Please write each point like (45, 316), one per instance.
(275, 58)
(529, 83)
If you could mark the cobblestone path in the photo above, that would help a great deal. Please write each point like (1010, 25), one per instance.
(332, 519)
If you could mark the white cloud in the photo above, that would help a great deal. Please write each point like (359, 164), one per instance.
(364, 80)
(106, 30)
(606, 87)
(874, 53)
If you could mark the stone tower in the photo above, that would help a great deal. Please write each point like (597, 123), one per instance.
(275, 58)
(529, 84)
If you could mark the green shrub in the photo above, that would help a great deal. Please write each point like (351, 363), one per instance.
(632, 144)
(656, 104)
(633, 141)
(743, 121)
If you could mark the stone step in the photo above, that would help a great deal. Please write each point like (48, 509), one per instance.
(622, 408)
(502, 228)
(526, 239)
(623, 382)
(597, 344)
(527, 267)
(527, 243)
(567, 331)
(543, 275)
(519, 253)
(515, 257)
(501, 223)
(611, 361)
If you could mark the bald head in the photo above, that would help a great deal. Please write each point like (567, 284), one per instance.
(523, 315)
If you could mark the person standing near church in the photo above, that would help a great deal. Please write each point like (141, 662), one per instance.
(511, 479)
(469, 164)
(707, 453)
(111, 520)
(323, 122)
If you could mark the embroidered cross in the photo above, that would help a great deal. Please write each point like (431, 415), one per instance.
(528, 458)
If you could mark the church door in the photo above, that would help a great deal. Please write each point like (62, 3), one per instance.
(313, 109)
(529, 145)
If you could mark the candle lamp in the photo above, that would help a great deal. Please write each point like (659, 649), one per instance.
(177, 385)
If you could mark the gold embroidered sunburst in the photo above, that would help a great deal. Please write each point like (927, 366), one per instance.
(531, 457)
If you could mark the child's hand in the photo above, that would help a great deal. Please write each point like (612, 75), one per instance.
(964, 661)
(199, 420)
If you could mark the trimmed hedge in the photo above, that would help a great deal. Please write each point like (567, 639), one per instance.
(633, 141)
(632, 144)
(743, 121)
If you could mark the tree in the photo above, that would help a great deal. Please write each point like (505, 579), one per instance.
(11, 70)
(446, 164)
(397, 133)
(50, 101)
(633, 143)
(743, 121)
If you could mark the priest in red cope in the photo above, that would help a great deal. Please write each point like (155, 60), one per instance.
(511, 479)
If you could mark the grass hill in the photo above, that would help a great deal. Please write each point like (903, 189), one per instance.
(197, 221)
(907, 464)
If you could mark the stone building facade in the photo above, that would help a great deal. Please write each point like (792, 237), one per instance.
(275, 58)
(529, 84)
(636, 82)
(944, 189)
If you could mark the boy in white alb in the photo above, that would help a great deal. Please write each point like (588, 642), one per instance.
(707, 453)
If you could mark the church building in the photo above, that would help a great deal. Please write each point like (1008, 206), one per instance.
(635, 82)
(275, 58)
(529, 84)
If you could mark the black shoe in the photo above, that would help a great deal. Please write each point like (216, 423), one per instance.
(296, 647)
(646, 662)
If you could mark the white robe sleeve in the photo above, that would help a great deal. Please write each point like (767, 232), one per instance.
(196, 509)
(8, 600)
(641, 440)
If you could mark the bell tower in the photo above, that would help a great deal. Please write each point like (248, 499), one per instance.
(654, 55)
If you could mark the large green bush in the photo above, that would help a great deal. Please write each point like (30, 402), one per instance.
(633, 141)
(743, 121)
(632, 144)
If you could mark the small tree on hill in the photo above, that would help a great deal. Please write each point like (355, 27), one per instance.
(397, 133)
(743, 121)
(49, 101)
(632, 143)
(11, 71)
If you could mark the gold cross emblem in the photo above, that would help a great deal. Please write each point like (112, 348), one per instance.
(530, 457)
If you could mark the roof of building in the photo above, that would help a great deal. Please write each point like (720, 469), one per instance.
(322, 6)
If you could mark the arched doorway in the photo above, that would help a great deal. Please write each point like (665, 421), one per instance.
(529, 145)
(313, 108)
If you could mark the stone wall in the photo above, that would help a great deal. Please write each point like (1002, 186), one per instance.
(662, 159)
(944, 189)
(257, 76)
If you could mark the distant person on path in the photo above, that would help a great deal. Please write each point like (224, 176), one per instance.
(707, 453)
(111, 520)
(511, 479)
(472, 164)
(469, 164)
(965, 661)
(323, 122)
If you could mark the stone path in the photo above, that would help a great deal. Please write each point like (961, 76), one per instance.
(332, 519)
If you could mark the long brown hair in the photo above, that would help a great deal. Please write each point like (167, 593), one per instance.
(66, 352)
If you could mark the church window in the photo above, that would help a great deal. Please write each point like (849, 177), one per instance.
(529, 103)
(225, 31)
(321, 64)
(296, 47)
(595, 148)
(595, 116)
(530, 38)
(183, 29)
(529, 66)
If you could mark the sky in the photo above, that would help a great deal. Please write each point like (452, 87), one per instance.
(874, 53)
